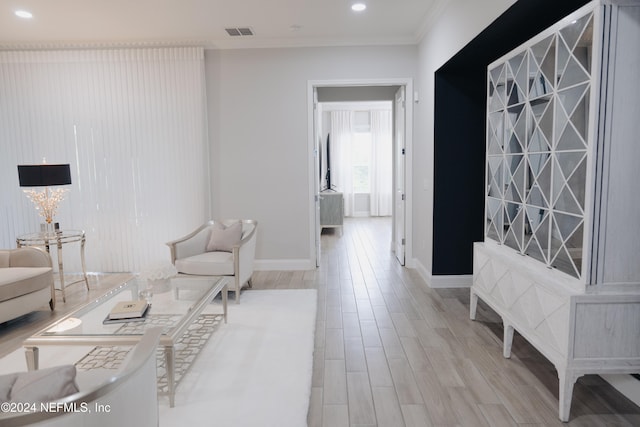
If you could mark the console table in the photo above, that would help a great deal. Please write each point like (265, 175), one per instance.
(57, 238)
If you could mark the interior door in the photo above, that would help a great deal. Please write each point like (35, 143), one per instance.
(399, 179)
(317, 126)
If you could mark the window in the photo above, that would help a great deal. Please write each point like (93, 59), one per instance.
(363, 142)
(361, 152)
(361, 159)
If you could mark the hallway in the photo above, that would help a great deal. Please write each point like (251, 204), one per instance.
(392, 352)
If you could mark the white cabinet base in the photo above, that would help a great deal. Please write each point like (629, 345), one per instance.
(580, 333)
(331, 210)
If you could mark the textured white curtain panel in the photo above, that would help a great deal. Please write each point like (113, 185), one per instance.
(132, 125)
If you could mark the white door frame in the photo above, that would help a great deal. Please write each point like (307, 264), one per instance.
(399, 177)
(317, 112)
(311, 144)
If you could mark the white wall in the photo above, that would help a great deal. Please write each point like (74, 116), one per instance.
(460, 21)
(257, 102)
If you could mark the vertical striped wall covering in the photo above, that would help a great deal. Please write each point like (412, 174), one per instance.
(132, 124)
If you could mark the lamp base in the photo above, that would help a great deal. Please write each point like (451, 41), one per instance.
(50, 227)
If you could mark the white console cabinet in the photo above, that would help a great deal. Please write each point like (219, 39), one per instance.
(561, 258)
(331, 209)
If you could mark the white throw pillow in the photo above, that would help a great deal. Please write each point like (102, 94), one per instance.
(6, 383)
(45, 385)
(223, 239)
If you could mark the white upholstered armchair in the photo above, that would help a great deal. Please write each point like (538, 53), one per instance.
(232, 254)
(130, 393)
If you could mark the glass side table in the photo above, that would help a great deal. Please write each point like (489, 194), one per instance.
(57, 238)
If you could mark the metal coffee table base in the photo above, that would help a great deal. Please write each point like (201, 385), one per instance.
(166, 341)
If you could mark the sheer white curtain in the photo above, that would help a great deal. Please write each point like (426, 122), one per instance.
(381, 201)
(341, 171)
(381, 173)
(132, 124)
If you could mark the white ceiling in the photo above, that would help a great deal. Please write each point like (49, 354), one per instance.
(157, 22)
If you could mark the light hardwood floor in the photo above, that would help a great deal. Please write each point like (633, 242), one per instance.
(392, 352)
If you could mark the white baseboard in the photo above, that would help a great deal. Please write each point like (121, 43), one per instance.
(449, 281)
(422, 271)
(454, 281)
(625, 384)
(284, 264)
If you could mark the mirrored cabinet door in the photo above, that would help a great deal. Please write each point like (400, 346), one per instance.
(537, 141)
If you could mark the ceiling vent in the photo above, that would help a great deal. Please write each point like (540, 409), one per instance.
(239, 31)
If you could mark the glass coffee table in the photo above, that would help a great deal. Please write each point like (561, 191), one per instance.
(175, 304)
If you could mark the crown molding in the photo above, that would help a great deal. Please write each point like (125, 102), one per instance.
(310, 42)
(218, 44)
(435, 11)
(80, 45)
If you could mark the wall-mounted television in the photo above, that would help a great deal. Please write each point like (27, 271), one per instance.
(327, 178)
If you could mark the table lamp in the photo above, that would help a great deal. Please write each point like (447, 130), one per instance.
(45, 175)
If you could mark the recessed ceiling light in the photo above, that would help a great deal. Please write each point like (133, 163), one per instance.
(358, 7)
(24, 14)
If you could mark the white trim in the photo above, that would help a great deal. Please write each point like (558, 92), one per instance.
(435, 12)
(625, 384)
(284, 264)
(223, 44)
(441, 282)
(311, 167)
(457, 281)
(208, 44)
(409, 262)
(423, 271)
(408, 84)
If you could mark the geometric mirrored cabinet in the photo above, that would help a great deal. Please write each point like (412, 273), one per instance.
(537, 140)
(561, 259)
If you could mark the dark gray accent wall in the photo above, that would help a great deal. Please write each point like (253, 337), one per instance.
(459, 130)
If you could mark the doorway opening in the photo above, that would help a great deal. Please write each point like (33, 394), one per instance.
(357, 167)
(356, 154)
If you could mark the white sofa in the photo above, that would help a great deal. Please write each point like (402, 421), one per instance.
(26, 282)
(128, 397)
(189, 254)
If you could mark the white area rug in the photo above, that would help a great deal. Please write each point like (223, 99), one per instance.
(255, 370)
